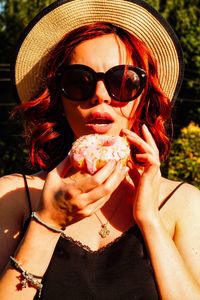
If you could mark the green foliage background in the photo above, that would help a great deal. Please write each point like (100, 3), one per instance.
(15, 15)
(183, 15)
(184, 161)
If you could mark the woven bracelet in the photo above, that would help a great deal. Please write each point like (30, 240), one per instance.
(40, 221)
(28, 278)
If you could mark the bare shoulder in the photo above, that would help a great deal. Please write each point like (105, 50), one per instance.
(179, 202)
(11, 182)
(190, 194)
(188, 200)
(13, 194)
(12, 198)
(182, 194)
(16, 181)
(11, 188)
(187, 197)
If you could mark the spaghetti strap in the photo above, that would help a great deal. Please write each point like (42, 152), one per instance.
(169, 196)
(27, 193)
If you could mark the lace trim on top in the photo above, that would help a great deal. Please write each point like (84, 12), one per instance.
(101, 249)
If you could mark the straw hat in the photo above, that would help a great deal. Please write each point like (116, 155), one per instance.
(62, 16)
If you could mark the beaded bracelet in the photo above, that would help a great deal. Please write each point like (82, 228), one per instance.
(28, 278)
(52, 228)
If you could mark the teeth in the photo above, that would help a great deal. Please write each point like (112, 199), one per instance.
(101, 125)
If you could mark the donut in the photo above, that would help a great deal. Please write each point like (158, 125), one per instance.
(91, 152)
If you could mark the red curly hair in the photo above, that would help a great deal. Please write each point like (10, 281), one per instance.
(47, 132)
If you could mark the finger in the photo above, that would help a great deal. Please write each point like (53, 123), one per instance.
(91, 208)
(137, 141)
(87, 184)
(148, 160)
(148, 137)
(109, 186)
(62, 168)
(98, 202)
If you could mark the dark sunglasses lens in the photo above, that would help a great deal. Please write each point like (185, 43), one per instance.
(77, 84)
(124, 84)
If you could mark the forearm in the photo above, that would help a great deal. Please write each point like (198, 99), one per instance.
(172, 275)
(34, 253)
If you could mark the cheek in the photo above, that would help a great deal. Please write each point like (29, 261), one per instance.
(70, 109)
(74, 115)
(129, 110)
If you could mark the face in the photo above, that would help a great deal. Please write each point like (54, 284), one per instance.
(99, 114)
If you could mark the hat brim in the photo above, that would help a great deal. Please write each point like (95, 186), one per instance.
(61, 17)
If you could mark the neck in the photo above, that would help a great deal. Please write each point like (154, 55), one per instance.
(120, 202)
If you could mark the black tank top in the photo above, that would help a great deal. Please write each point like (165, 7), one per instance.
(119, 271)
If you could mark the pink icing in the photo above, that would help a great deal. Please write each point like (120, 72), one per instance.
(89, 150)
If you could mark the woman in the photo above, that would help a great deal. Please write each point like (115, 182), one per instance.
(51, 222)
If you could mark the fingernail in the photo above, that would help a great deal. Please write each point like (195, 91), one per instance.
(129, 132)
(121, 165)
(145, 126)
(126, 169)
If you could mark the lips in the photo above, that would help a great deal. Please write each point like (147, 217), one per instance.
(100, 122)
(100, 118)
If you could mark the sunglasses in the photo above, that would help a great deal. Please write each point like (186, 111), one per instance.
(124, 83)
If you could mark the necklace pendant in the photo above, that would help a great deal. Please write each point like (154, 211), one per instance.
(104, 231)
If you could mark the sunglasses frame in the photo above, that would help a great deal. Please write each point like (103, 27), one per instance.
(97, 76)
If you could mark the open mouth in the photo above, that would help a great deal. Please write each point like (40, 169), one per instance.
(100, 118)
(100, 121)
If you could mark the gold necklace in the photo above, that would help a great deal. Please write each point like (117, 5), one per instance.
(104, 231)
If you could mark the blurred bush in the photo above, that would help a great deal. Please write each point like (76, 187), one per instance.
(184, 160)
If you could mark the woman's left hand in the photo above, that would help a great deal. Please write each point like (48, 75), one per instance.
(147, 181)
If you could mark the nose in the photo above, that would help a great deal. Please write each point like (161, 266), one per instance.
(101, 94)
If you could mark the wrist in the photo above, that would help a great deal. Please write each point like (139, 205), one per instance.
(44, 223)
(26, 278)
(55, 219)
(149, 222)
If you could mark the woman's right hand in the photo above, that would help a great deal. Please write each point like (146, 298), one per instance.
(67, 199)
